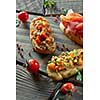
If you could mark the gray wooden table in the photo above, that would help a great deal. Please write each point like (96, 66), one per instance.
(37, 6)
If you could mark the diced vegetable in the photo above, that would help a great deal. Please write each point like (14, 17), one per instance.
(43, 36)
(45, 23)
(75, 52)
(66, 64)
(80, 61)
(52, 66)
(58, 60)
(38, 40)
(72, 54)
(75, 61)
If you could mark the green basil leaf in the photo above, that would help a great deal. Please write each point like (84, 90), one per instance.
(79, 76)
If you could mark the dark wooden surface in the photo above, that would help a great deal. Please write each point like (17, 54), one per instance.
(30, 5)
(37, 6)
(30, 88)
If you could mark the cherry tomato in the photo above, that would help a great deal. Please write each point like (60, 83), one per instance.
(67, 87)
(23, 16)
(33, 66)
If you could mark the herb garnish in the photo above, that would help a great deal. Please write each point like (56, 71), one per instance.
(49, 3)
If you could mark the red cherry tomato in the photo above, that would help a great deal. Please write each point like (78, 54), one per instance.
(23, 16)
(67, 87)
(33, 66)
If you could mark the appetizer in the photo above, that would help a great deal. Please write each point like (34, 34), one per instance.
(65, 65)
(72, 26)
(41, 36)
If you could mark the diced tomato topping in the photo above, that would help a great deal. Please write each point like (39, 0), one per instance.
(49, 30)
(56, 67)
(52, 66)
(45, 24)
(60, 68)
(38, 40)
(43, 36)
(39, 27)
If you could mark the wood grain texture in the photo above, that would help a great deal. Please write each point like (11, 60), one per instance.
(28, 88)
(36, 6)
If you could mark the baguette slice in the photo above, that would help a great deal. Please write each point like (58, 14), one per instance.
(59, 70)
(41, 36)
(72, 26)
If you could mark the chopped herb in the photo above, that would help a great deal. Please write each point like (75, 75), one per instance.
(75, 52)
(67, 52)
(65, 11)
(67, 64)
(57, 60)
(49, 3)
(70, 58)
(17, 22)
(79, 75)
(76, 60)
(49, 62)
(62, 53)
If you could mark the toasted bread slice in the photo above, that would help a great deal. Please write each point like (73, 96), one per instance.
(41, 36)
(72, 26)
(65, 66)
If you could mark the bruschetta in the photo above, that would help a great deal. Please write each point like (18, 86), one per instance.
(41, 36)
(65, 65)
(72, 26)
